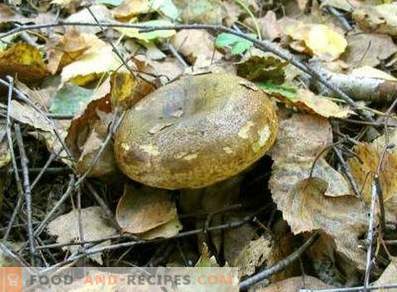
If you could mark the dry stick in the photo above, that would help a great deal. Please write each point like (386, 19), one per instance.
(347, 172)
(43, 169)
(44, 223)
(176, 54)
(28, 193)
(79, 221)
(263, 45)
(21, 96)
(281, 265)
(100, 249)
(105, 208)
(340, 17)
(14, 163)
(351, 289)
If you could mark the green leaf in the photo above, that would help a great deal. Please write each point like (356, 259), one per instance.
(166, 7)
(275, 89)
(237, 44)
(70, 99)
(109, 2)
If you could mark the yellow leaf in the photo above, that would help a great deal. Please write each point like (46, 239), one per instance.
(325, 42)
(131, 8)
(23, 61)
(98, 59)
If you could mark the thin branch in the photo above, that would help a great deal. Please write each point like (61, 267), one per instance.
(28, 193)
(263, 45)
(281, 265)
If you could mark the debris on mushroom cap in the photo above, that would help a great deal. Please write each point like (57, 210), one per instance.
(195, 132)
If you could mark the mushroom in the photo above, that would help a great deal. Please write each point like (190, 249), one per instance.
(195, 132)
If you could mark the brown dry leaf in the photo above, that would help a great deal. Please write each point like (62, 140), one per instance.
(144, 209)
(8, 15)
(377, 18)
(315, 39)
(293, 284)
(320, 202)
(269, 26)
(44, 128)
(130, 8)
(101, 13)
(94, 225)
(388, 276)
(106, 164)
(245, 250)
(160, 71)
(81, 127)
(197, 46)
(368, 49)
(365, 164)
(23, 62)
(63, 50)
(167, 230)
(307, 101)
(206, 260)
(201, 11)
(232, 12)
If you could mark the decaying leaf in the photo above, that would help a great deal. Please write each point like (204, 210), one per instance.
(206, 260)
(368, 49)
(321, 201)
(24, 62)
(102, 14)
(268, 25)
(70, 99)
(379, 18)
(306, 100)
(364, 165)
(145, 209)
(197, 46)
(94, 226)
(245, 250)
(63, 50)
(259, 66)
(130, 8)
(388, 276)
(200, 11)
(316, 39)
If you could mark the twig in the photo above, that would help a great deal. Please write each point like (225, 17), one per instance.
(28, 193)
(340, 17)
(281, 265)
(351, 289)
(263, 45)
(44, 223)
(370, 236)
(347, 172)
(43, 169)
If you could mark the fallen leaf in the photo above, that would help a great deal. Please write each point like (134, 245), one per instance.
(5, 155)
(315, 39)
(268, 25)
(388, 276)
(102, 14)
(70, 99)
(206, 260)
(306, 100)
(259, 66)
(94, 226)
(165, 7)
(201, 11)
(245, 250)
(238, 45)
(143, 209)
(345, 5)
(8, 15)
(167, 230)
(368, 49)
(364, 164)
(197, 46)
(130, 8)
(377, 18)
(97, 60)
(371, 72)
(321, 201)
(63, 50)
(24, 62)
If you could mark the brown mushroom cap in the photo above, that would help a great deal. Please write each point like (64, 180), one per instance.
(195, 132)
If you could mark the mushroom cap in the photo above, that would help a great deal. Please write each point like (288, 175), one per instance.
(195, 132)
